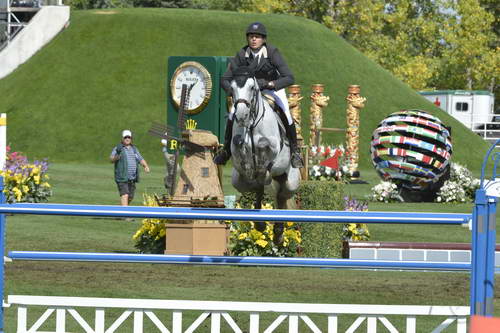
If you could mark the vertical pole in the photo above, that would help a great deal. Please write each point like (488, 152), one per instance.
(490, 257)
(3, 140)
(478, 250)
(2, 251)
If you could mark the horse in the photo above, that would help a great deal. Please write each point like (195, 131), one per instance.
(260, 151)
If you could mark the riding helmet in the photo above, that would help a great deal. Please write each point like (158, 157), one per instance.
(257, 28)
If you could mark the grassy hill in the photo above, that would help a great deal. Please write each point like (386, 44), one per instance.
(107, 72)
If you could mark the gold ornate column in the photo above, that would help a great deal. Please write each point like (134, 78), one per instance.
(354, 103)
(318, 102)
(294, 99)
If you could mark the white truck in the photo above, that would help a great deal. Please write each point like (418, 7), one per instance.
(473, 108)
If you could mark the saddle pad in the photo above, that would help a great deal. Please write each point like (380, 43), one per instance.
(270, 101)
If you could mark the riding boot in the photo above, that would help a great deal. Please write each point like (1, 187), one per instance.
(225, 154)
(294, 148)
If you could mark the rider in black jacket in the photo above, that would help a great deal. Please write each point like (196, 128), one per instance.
(272, 73)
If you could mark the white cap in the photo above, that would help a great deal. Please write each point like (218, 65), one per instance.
(126, 133)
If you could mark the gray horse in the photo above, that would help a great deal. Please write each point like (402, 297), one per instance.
(260, 153)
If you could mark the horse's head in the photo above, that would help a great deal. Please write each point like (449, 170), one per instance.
(245, 94)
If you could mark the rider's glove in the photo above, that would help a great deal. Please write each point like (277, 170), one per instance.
(119, 148)
(263, 84)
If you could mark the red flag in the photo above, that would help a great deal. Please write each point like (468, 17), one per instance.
(332, 162)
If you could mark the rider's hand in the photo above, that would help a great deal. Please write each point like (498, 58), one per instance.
(119, 148)
(262, 84)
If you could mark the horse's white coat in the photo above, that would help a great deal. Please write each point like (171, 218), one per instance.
(267, 165)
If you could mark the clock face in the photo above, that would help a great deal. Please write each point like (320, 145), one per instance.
(197, 78)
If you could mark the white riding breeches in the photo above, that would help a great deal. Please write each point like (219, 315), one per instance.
(279, 98)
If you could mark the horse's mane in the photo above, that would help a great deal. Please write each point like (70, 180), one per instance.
(241, 74)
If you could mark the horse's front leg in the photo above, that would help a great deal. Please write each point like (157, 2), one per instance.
(264, 158)
(259, 195)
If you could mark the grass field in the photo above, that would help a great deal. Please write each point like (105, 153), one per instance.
(93, 184)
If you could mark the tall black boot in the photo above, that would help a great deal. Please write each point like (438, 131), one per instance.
(225, 154)
(296, 159)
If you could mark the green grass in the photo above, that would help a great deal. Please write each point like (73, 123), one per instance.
(105, 73)
(93, 184)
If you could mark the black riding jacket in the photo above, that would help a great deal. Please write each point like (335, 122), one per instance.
(272, 67)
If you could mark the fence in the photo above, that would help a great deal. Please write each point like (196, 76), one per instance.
(483, 219)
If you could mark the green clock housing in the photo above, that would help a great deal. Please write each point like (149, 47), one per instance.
(207, 104)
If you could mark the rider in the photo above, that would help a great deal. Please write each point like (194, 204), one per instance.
(273, 75)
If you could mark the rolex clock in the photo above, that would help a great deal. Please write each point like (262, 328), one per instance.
(207, 100)
(198, 79)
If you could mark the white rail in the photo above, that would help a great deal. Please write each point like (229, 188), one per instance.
(217, 312)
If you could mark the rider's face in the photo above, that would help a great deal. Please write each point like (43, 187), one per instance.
(255, 41)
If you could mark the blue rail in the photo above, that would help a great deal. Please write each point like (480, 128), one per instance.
(182, 213)
(235, 261)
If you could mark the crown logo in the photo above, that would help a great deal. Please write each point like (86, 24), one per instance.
(191, 124)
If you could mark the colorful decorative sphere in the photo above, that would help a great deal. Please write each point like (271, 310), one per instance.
(412, 149)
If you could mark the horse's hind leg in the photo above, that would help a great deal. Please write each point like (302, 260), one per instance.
(259, 195)
(283, 201)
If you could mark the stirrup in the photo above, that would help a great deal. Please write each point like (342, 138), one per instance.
(222, 157)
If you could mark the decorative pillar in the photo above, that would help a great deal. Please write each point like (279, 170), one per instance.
(294, 99)
(354, 103)
(318, 102)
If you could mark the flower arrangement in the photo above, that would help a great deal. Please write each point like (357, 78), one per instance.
(151, 236)
(319, 153)
(25, 181)
(385, 191)
(461, 186)
(245, 240)
(355, 231)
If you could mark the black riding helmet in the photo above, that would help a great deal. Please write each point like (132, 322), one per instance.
(257, 28)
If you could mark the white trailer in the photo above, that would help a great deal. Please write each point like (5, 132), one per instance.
(473, 108)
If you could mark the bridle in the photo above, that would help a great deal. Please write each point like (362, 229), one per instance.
(252, 105)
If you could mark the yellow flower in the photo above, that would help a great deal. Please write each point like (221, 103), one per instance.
(18, 193)
(46, 177)
(261, 243)
(37, 179)
(289, 224)
(45, 184)
(26, 189)
(255, 234)
(242, 236)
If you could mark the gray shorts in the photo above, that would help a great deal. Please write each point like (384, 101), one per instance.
(127, 188)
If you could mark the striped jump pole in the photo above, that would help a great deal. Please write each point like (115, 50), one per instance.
(223, 214)
(235, 261)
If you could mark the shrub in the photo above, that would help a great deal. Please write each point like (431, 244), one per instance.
(385, 191)
(245, 240)
(151, 236)
(25, 181)
(321, 239)
(461, 187)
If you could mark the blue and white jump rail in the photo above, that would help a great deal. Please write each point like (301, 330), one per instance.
(482, 219)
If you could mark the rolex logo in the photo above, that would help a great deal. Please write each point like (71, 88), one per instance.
(191, 124)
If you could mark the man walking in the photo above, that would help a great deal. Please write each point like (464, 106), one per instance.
(127, 158)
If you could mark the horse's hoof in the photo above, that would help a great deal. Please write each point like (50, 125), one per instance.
(260, 226)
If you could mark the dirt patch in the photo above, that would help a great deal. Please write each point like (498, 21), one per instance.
(105, 12)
